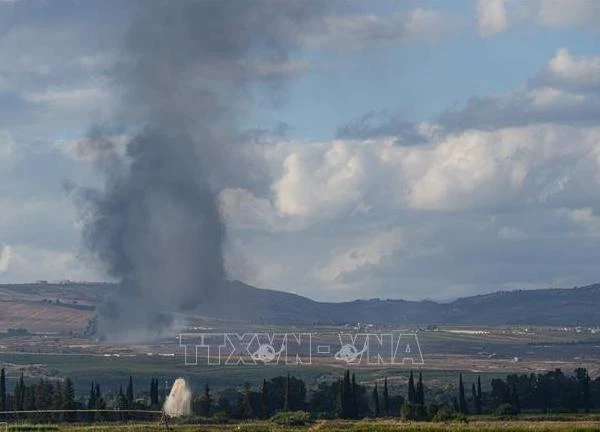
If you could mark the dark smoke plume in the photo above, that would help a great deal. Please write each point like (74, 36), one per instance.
(187, 72)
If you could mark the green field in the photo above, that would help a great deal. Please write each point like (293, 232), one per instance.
(113, 372)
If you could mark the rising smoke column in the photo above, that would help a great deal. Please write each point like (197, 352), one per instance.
(187, 72)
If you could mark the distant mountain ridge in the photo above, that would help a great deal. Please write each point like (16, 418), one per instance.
(574, 306)
(241, 302)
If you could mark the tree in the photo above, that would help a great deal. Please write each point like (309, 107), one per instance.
(100, 403)
(57, 401)
(499, 392)
(19, 394)
(223, 406)
(386, 398)
(420, 393)
(514, 399)
(121, 401)
(265, 399)
(68, 400)
(129, 394)
(29, 399)
(286, 394)
(3, 406)
(586, 392)
(325, 399)
(462, 400)
(583, 380)
(478, 407)
(420, 410)
(282, 388)
(154, 402)
(408, 407)
(205, 402)
(246, 402)
(375, 397)
(411, 389)
(346, 395)
(92, 399)
(354, 398)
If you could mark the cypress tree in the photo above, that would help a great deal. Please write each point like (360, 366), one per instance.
(92, 399)
(585, 392)
(129, 394)
(2, 390)
(19, 393)
(121, 400)
(354, 413)
(286, 395)
(478, 405)
(386, 398)
(154, 392)
(265, 399)
(376, 400)
(408, 408)
(121, 403)
(100, 404)
(347, 396)
(420, 394)
(421, 412)
(411, 389)
(68, 399)
(206, 402)
(462, 400)
(340, 396)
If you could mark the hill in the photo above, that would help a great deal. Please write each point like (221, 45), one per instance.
(50, 307)
(575, 306)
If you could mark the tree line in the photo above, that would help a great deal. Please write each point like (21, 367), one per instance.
(345, 397)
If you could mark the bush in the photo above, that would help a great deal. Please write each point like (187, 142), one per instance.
(291, 418)
(445, 414)
(505, 410)
(220, 417)
(432, 410)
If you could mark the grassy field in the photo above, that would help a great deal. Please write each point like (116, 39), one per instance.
(581, 425)
(113, 372)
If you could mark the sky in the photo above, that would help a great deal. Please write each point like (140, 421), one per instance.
(413, 150)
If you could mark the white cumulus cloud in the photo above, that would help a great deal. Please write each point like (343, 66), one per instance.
(491, 16)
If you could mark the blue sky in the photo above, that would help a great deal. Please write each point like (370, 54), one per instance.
(431, 149)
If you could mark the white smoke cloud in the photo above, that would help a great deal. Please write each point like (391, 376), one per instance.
(179, 401)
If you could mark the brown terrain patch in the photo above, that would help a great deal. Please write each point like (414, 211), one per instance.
(41, 317)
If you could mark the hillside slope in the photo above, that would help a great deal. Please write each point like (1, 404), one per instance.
(576, 306)
(74, 303)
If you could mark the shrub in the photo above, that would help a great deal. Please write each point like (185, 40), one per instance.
(291, 418)
(445, 414)
(505, 410)
(220, 417)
